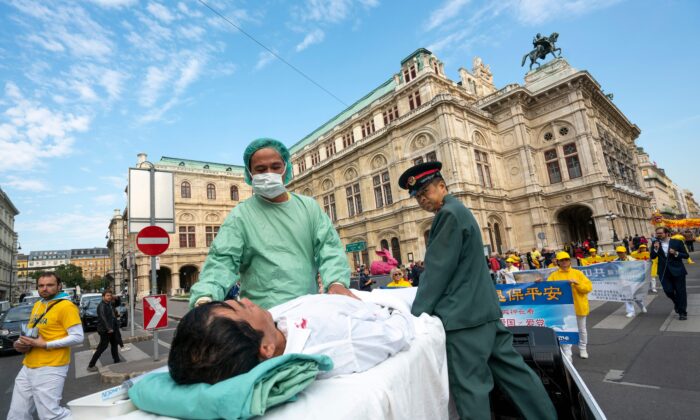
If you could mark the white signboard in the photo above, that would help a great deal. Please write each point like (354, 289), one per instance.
(140, 200)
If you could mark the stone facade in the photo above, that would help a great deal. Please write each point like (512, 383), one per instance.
(666, 197)
(543, 163)
(693, 207)
(8, 245)
(117, 245)
(205, 192)
(95, 262)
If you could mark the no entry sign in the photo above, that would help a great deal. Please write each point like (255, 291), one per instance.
(155, 312)
(153, 240)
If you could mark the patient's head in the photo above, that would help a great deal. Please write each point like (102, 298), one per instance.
(219, 340)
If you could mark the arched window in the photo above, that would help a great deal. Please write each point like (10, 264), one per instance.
(185, 190)
(384, 244)
(396, 249)
(234, 193)
(211, 192)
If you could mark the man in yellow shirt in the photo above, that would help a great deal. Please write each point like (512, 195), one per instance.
(54, 325)
(397, 279)
(581, 286)
(593, 258)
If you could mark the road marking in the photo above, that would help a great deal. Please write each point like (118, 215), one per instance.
(595, 304)
(615, 376)
(163, 343)
(82, 360)
(692, 325)
(618, 319)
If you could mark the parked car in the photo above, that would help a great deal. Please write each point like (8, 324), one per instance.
(122, 312)
(4, 307)
(11, 325)
(88, 310)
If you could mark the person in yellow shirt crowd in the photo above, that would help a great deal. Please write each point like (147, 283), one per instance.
(54, 325)
(397, 279)
(593, 258)
(643, 254)
(629, 306)
(681, 238)
(553, 264)
(581, 286)
(509, 270)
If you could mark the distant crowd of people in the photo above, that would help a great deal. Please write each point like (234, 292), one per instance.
(401, 276)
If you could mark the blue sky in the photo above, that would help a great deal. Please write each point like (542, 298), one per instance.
(86, 85)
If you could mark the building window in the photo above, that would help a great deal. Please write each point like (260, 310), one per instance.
(302, 165)
(429, 157)
(409, 73)
(234, 193)
(330, 148)
(368, 127)
(329, 206)
(211, 192)
(396, 249)
(390, 114)
(354, 199)
(414, 100)
(572, 163)
(483, 168)
(382, 189)
(210, 234)
(384, 244)
(550, 158)
(348, 139)
(185, 190)
(187, 239)
(315, 157)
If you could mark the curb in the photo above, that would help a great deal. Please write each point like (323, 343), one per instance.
(116, 378)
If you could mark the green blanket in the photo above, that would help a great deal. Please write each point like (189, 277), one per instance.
(272, 382)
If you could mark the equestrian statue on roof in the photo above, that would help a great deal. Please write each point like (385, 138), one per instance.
(543, 46)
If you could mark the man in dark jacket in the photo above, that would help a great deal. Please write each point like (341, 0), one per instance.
(671, 271)
(457, 288)
(105, 328)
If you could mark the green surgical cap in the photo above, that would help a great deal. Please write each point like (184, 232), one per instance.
(265, 143)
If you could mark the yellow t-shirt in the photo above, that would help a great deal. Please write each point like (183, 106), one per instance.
(400, 283)
(593, 259)
(52, 327)
(580, 290)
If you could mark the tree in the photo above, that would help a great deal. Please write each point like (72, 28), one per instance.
(71, 275)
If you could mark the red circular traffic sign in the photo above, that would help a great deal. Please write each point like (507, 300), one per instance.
(153, 240)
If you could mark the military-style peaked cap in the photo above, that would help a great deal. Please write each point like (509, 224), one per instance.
(417, 176)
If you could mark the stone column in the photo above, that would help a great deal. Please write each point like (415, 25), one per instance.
(174, 283)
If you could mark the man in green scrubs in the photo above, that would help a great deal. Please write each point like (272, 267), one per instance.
(456, 287)
(274, 243)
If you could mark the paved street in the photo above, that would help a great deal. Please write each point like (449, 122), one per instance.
(641, 368)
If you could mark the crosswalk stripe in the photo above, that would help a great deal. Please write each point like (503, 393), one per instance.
(617, 320)
(82, 359)
(692, 324)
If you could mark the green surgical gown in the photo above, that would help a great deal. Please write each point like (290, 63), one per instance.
(275, 251)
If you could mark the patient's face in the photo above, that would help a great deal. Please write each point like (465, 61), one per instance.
(257, 317)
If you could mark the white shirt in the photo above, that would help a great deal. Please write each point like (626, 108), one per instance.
(356, 335)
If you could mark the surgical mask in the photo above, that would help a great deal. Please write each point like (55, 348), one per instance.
(269, 184)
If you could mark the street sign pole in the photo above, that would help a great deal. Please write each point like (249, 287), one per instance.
(132, 293)
(154, 279)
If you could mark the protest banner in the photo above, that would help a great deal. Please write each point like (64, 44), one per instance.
(617, 281)
(541, 304)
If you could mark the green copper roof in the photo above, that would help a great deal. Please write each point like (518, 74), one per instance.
(198, 164)
(419, 51)
(365, 101)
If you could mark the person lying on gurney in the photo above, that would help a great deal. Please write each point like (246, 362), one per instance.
(219, 340)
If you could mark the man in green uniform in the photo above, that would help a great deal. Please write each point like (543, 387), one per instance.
(456, 287)
(275, 242)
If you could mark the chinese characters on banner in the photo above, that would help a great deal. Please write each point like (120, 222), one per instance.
(542, 304)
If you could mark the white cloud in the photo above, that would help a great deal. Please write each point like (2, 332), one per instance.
(112, 81)
(25, 184)
(152, 86)
(264, 58)
(161, 12)
(49, 44)
(114, 4)
(85, 92)
(64, 230)
(331, 11)
(535, 12)
(106, 199)
(188, 74)
(447, 11)
(311, 38)
(33, 132)
(191, 32)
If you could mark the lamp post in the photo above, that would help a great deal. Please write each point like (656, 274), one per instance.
(114, 268)
(611, 217)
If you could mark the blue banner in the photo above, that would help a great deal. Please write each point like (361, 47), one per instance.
(541, 304)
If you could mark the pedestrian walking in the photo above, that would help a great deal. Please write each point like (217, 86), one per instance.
(54, 326)
(581, 286)
(671, 270)
(456, 286)
(105, 328)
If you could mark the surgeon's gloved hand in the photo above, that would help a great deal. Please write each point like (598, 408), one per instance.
(202, 301)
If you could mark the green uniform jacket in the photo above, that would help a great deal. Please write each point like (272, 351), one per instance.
(456, 285)
(277, 249)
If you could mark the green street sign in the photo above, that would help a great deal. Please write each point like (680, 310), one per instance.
(356, 247)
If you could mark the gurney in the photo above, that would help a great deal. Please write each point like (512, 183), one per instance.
(411, 384)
